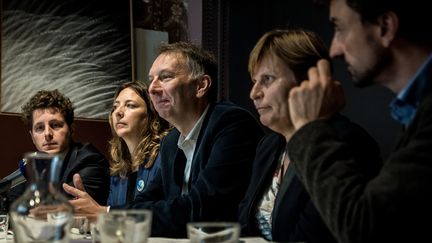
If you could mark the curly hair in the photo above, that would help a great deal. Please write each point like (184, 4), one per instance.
(48, 99)
(122, 162)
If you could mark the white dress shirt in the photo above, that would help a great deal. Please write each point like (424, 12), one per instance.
(187, 144)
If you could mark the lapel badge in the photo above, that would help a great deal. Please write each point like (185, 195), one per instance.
(140, 185)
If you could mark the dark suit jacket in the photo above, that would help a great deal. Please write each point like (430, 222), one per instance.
(294, 217)
(394, 206)
(219, 177)
(89, 163)
(93, 168)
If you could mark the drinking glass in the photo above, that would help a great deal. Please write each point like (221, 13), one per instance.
(80, 225)
(125, 226)
(42, 213)
(215, 232)
(4, 226)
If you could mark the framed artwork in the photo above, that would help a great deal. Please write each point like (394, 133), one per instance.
(81, 47)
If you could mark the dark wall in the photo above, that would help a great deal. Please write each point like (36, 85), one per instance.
(247, 23)
(15, 139)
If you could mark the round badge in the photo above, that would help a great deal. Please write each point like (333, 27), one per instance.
(140, 185)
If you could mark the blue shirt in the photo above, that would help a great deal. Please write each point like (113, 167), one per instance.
(404, 106)
(119, 185)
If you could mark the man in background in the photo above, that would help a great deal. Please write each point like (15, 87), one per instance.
(49, 116)
(384, 42)
(206, 160)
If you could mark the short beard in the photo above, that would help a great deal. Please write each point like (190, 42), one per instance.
(368, 77)
(362, 80)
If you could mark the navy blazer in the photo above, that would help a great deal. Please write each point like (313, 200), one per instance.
(119, 185)
(219, 176)
(93, 168)
(87, 161)
(294, 217)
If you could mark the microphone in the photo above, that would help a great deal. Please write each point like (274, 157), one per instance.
(15, 178)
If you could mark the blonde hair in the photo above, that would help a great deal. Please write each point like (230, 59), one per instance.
(299, 49)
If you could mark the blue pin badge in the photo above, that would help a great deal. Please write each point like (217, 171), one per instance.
(140, 185)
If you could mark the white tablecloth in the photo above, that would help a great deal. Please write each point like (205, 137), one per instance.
(80, 239)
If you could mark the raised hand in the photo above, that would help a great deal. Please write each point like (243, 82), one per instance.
(83, 203)
(77, 181)
(319, 97)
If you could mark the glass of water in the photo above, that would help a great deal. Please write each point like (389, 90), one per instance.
(4, 225)
(125, 226)
(215, 232)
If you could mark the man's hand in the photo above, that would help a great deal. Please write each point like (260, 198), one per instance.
(77, 181)
(42, 211)
(83, 203)
(319, 97)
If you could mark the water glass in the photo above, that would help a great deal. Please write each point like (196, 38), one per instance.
(125, 226)
(80, 225)
(42, 213)
(215, 232)
(95, 235)
(4, 226)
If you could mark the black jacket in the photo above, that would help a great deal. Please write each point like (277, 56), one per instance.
(87, 161)
(394, 206)
(294, 217)
(219, 176)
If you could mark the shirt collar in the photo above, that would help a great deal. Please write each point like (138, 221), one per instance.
(404, 106)
(193, 134)
(63, 154)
